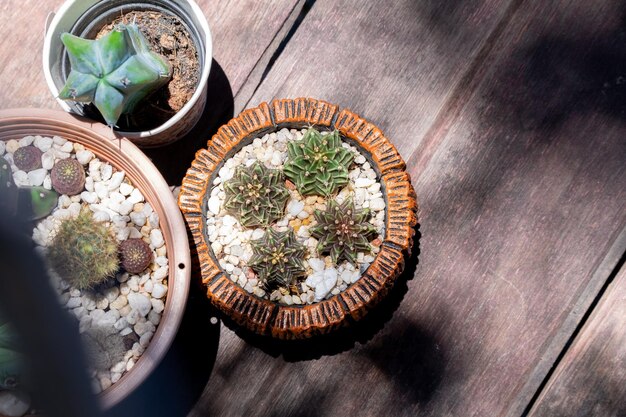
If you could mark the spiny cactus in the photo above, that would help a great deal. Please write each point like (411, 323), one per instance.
(84, 252)
(114, 72)
(30, 202)
(104, 347)
(342, 231)
(68, 177)
(135, 255)
(27, 158)
(277, 258)
(256, 195)
(318, 164)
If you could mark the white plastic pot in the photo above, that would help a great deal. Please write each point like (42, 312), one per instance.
(66, 19)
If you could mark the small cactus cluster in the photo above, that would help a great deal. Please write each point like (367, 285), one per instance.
(277, 258)
(256, 195)
(84, 252)
(114, 72)
(30, 202)
(342, 231)
(68, 177)
(318, 164)
(135, 255)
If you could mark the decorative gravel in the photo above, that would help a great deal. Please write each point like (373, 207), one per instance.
(230, 241)
(132, 305)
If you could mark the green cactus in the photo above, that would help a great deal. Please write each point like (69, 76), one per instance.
(84, 252)
(114, 72)
(342, 231)
(277, 258)
(31, 202)
(256, 195)
(318, 164)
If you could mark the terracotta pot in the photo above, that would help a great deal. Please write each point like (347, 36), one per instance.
(123, 155)
(295, 322)
(83, 17)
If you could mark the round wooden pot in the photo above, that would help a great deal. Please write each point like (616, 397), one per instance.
(123, 155)
(297, 322)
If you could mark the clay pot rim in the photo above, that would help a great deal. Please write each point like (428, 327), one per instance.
(122, 154)
(297, 322)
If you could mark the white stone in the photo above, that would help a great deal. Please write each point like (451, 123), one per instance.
(37, 176)
(112, 293)
(316, 264)
(153, 219)
(161, 261)
(84, 157)
(236, 250)
(257, 234)
(73, 302)
(132, 317)
(105, 383)
(323, 282)
(214, 205)
(14, 403)
(12, 146)
(134, 233)
(148, 286)
(377, 204)
(89, 198)
(160, 274)
(126, 189)
(140, 303)
(115, 376)
(130, 365)
(119, 302)
(62, 214)
(138, 218)
(102, 303)
(158, 305)
(101, 216)
(43, 143)
(125, 207)
(116, 180)
(363, 182)
(26, 141)
(21, 179)
(135, 196)
(67, 147)
(133, 283)
(144, 340)
(159, 291)
(294, 207)
(47, 183)
(126, 331)
(123, 234)
(106, 171)
(154, 317)
(101, 190)
(156, 238)
(85, 324)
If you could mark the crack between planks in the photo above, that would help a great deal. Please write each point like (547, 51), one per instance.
(460, 96)
(619, 246)
(267, 60)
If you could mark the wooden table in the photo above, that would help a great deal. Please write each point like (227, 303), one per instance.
(511, 116)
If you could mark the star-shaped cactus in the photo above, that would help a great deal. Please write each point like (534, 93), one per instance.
(256, 195)
(342, 231)
(277, 258)
(114, 72)
(318, 164)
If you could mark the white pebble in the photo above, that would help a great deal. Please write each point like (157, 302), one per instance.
(257, 234)
(26, 141)
(377, 204)
(214, 205)
(135, 196)
(323, 282)
(73, 303)
(126, 189)
(89, 198)
(106, 171)
(156, 238)
(160, 274)
(116, 180)
(115, 376)
(21, 179)
(294, 207)
(125, 208)
(67, 147)
(363, 182)
(84, 157)
(43, 143)
(101, 190)
(101, 216)
(37, 177)
(120, 302)
(12, 146)
(139, 303)
(158, 305)
(159, 291)
(316, 264)
(144, 340)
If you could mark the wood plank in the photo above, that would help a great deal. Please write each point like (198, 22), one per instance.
(520, 172)
(242, 33)
(591, 378)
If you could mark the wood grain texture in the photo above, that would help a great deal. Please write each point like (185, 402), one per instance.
(522, 200)
(590, 381)
(265, 317)
(242, 31)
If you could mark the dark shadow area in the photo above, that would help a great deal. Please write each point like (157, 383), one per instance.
(560, 75)
(173, 160)
(412, 358)
(178, 382)
(446, 17)
(345, 338)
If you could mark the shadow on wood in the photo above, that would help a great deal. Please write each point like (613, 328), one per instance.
(345, 338)
(174, 159)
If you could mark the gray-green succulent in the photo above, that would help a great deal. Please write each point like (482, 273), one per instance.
(342, 231)
(277, 258)
(318, 164)
(256, 195)
(114, 72)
